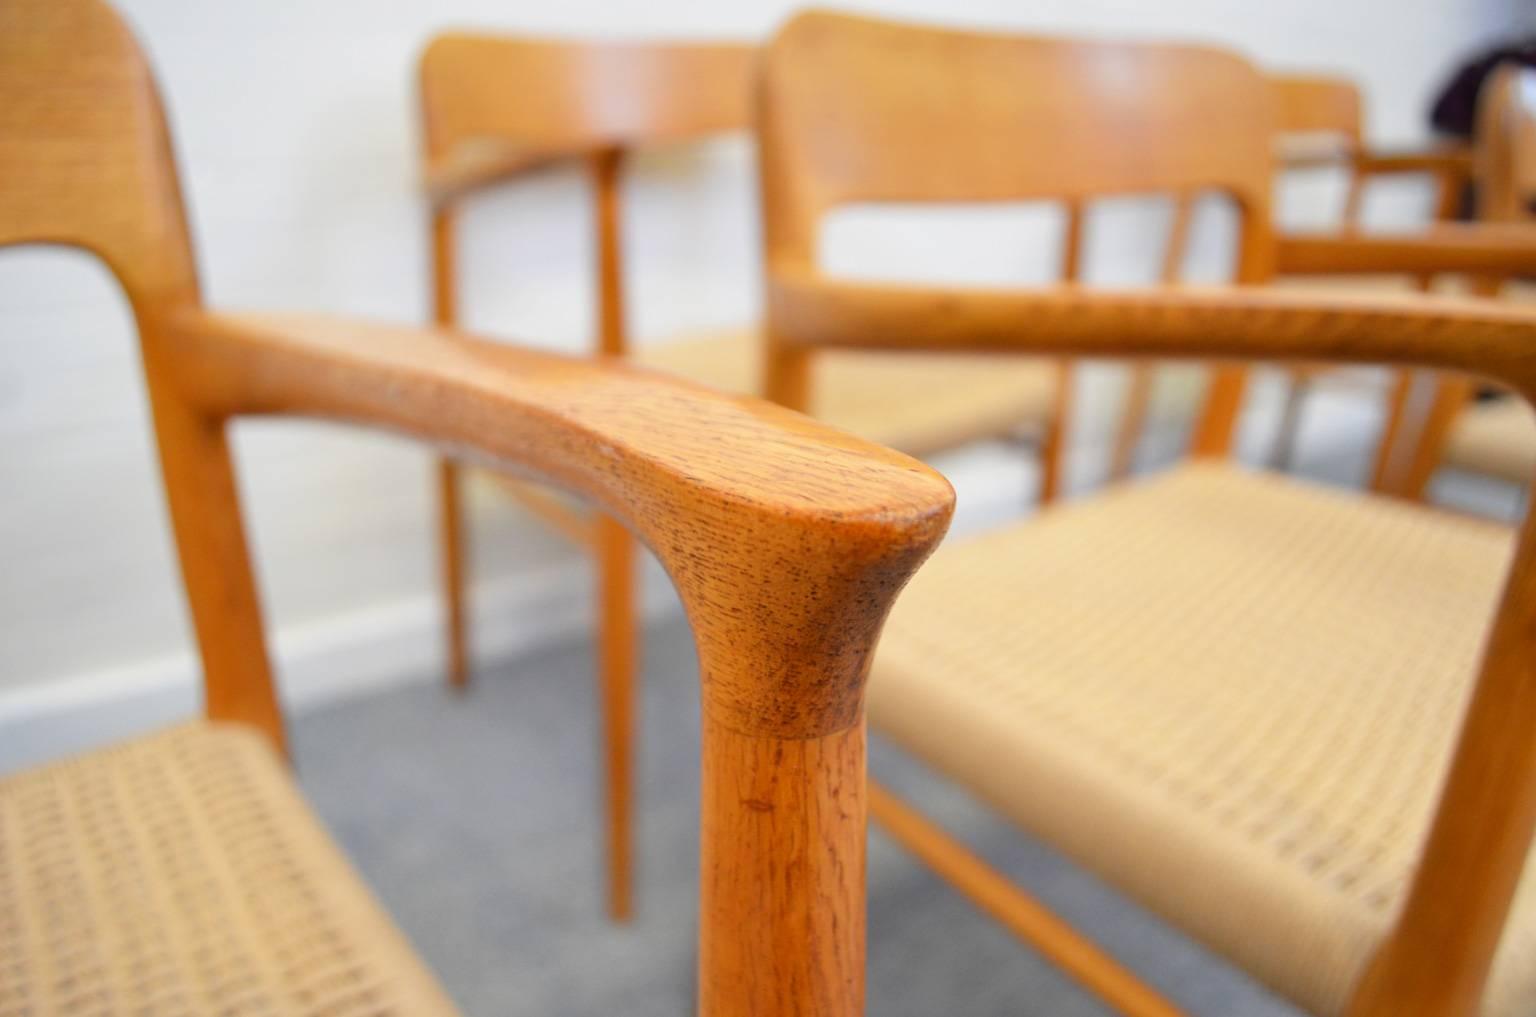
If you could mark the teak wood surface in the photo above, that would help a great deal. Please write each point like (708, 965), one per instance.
(596, 101)
(1505, 170)
(787, 540)
(853, 109)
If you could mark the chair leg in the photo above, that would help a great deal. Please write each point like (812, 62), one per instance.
(617, 649)
(1283, 456)
(1133, 421)
(451, 561)
(1385, 469)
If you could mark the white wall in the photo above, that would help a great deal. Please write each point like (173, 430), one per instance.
(295, 125)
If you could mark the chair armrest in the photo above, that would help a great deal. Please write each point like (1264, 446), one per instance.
(1498, 249)
(472, 167)
(1233, 323)
(736, 496)
(1453, 161)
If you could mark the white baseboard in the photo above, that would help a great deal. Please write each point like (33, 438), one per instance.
(354, 654)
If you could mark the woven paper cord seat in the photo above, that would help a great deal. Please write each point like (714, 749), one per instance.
(1231, 695)
(183, 874)
(1496, 437)
(918, 404)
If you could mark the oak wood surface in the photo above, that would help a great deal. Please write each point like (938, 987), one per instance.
(858, 109)
(787, 540)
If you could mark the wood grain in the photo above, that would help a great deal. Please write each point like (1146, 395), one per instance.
(787, 540)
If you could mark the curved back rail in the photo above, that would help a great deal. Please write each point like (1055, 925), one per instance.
(823, 71)
(787, 540)
(865, 111)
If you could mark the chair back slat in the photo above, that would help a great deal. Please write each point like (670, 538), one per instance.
(85, 158)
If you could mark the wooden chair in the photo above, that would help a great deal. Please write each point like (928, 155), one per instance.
(1232, 695)
(1319, 122)
(183, 872)
(1492, 437)
(596, 104)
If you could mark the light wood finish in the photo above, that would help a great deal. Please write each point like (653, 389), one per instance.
(1141, 377)
(991, 891)
(788, 540)
(854, 109)
(1320, 119)
(1505, 163)
(598, 101)
(947, 400)
(595, 99)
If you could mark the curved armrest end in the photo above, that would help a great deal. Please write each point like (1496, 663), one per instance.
(787, 539)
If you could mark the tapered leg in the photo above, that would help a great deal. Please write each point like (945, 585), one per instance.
(1055, 437)
(1133, 420)
(1283, 456)
(451, 560)
(618, 646)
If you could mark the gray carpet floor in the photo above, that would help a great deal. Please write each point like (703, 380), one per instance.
(474, 817)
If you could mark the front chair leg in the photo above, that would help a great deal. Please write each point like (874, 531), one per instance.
(618, 646)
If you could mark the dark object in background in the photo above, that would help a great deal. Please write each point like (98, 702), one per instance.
(1455, 109)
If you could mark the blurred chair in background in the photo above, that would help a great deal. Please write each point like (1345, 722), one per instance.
(1320, 125)
(496, 107)
(1232, 695)
(1493, 436)
(183, 872)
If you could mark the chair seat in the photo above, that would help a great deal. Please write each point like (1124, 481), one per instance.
(1232, 695)
(183, 874)
(920, 404)
(1496, 437)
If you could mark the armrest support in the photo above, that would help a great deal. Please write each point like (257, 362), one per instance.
(732, 493)
(474, 167)
(1454, 161)
(1497, 249)
(788, 542)
(1231, 323)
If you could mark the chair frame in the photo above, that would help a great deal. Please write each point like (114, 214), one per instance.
(475, 139)
(829, 81)
(1502, 156)
(749, 507)
(1333, 106)
(602, 102)
(1327, 106)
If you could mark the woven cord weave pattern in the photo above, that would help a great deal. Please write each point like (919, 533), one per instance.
(183, 874)
(1230, 694)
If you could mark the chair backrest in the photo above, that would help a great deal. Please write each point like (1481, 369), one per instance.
(84, 155)
(857, 110)
(553, 98)
(1319, 105)
(1505, 154)
(493, 106)
(85, 161)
